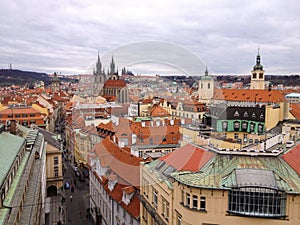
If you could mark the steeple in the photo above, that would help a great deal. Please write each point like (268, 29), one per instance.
(258, 77)
(112, 65)
(206, 71)
(258, 66)
(98, 65)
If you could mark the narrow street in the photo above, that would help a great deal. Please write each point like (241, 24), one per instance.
(76, 208)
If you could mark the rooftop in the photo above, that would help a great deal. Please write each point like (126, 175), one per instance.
(10, 146)
(227, 171)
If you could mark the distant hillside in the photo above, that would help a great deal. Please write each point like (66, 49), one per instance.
(19, 77)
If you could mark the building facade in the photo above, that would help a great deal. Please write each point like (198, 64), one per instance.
(227, 189)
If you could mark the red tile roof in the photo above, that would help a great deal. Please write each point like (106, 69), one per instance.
(114, 83)
(188, 158)
(133, 208)
(249, 95)
(292, 157)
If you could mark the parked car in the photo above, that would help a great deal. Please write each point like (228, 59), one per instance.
(67, 185)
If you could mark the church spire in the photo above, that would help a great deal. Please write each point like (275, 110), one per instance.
(206, 71)
(98, 65)
(258, 66)
(112, 66)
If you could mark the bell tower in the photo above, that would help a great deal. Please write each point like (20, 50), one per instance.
(258, 75)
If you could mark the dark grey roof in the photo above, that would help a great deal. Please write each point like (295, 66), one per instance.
(50, 138)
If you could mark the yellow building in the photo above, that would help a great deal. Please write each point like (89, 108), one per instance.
(195, 186)
(54, 170)
(54, 162)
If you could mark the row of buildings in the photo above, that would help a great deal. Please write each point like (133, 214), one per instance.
(186, 156)
(221, 156)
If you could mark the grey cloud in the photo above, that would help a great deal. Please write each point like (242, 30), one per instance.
(44, 35)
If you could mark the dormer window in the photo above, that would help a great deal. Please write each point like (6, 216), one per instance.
(128, 193)
(246, 114)
(236, 113)
(112, 181)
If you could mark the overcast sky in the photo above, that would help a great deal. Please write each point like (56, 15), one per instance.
(65, 35)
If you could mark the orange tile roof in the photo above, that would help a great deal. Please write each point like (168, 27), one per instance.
(27, 110)
(120, 161)
(295, 110)
(249, 95)
(158, 111)
(188, 158)
(292, 157)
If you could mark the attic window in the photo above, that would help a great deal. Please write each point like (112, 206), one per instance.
(236, 113)
(246, 114)
(261, 116)
(253, 115)
(168, 171)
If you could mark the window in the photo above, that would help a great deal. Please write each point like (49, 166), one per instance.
(131, 220)
(236, 114)
(236, 135)
(254, 75)
(145, 214)
(188, 199)
(55, 172)
(178, 219)
(224, 125)
(165, 208)
(208, 85)
(24, 115)
(195, 202)
(202, 203)
(236, 125)
(155, 198)
(244, 125)
(257, 201)
(182, 196)
(55, 160)
(261, 75)
(140, 154)
(146, 188)
(32, 115)
(201, 85)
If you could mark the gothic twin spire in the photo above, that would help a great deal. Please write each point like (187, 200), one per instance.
(99, 69)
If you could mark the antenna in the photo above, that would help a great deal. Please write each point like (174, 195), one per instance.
(258, 49)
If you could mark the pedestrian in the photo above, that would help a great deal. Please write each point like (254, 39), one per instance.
(72, 189)
(59, 209)
(71, 197)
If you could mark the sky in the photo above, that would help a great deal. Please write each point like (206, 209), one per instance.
(150, 37)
